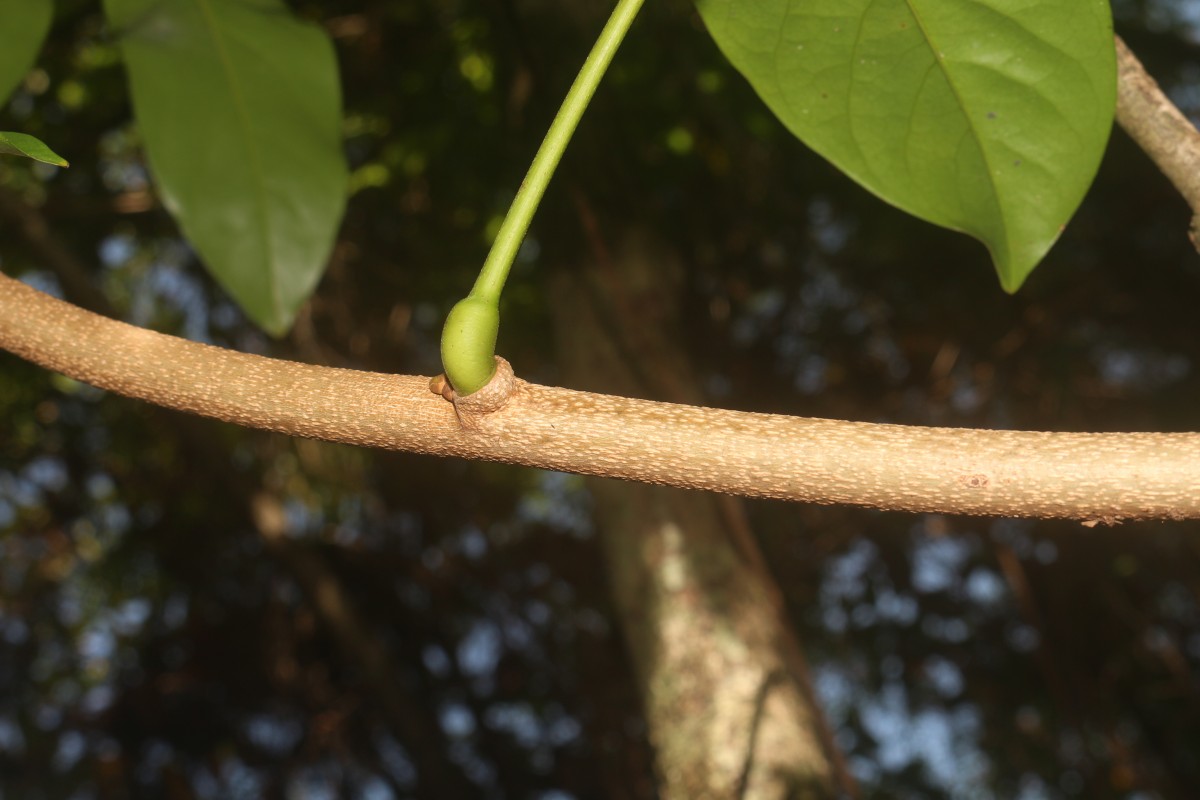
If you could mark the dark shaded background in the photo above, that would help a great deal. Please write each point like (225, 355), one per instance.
(189, 609)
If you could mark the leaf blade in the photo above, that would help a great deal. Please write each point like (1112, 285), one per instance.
(984, 116)
(26, 23)
(240, 110)
(22, 144)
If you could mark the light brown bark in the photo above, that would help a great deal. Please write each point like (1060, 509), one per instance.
(1160, 129)
(1092, 477)
(1088, 476)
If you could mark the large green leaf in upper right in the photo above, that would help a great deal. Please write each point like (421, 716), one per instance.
(985, 116)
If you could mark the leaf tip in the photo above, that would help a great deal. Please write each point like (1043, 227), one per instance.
(1011, 281)
(275, 325)
(22, 144)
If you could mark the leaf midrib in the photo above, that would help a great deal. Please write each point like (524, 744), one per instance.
(975, 133)
(258, 174)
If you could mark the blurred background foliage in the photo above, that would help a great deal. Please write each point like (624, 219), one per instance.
(189, 609)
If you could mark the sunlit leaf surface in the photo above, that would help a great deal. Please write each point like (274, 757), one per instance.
(22, 144)
(985, 116)
(239, 105)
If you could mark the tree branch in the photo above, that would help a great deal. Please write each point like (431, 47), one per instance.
(1094, 477)
(1160, 130)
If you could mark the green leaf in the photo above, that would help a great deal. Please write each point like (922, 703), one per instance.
(22, 144)
(239, 106)
(985, 116)
(23, 27)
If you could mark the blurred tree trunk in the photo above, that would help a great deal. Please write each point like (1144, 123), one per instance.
(724, 687)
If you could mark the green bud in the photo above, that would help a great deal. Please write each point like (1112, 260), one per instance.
(469, 344)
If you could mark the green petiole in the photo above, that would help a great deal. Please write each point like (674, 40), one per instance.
(469, 337)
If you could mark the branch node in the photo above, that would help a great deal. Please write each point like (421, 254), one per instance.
(474, 407)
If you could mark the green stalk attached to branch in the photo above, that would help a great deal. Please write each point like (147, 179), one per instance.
(469, 338)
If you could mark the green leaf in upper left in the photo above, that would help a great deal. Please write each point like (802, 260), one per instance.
(239, 107)
(22, 144)
(23, 27)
